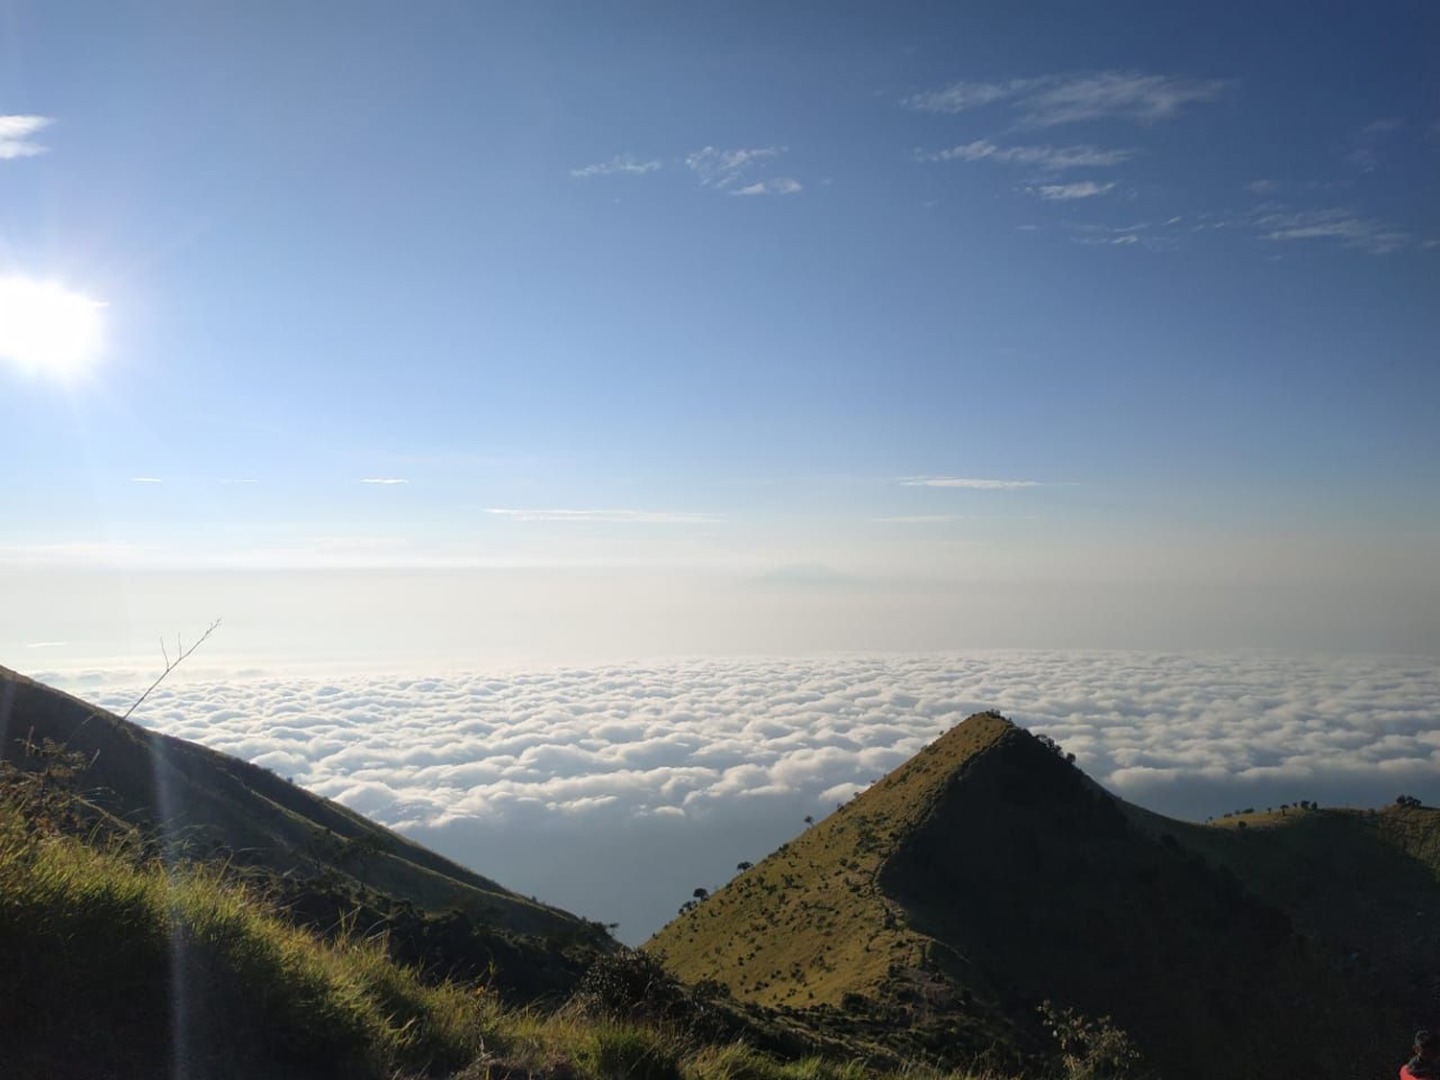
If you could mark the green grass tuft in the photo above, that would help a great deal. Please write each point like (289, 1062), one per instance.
(141, 968)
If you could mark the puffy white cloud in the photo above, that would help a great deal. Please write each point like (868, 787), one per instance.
(15, 135)
(616, 790)
(780, 185)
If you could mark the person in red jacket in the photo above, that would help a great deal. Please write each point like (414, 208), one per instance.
(1425, 1065)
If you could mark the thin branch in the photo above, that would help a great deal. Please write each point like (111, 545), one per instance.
(170, 665)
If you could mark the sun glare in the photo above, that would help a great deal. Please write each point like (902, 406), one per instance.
(47, 330)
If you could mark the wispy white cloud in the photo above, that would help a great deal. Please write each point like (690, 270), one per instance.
(640, 517)
(1368, 147)
(1108, 240)
(1263, 187)
(1066, 99)
(968, 482)
(1084, 189)
(962, 96)
(146, 480)
(384, 480)
(1142, 234)
(46, 644)
(620, 165)
(920, 519)
(1338, 224)
(780, 185)
(1127, 95)
(15, 136)
(724, 169)
(1048, 158)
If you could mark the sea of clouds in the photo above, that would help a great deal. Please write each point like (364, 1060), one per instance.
(615, 791)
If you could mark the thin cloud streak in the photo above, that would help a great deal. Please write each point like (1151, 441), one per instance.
(636, 517)
(921, 519)
(384, 480)
(620, 165)
(1339, 224)
(1047, 158)
(967, 482)
(1084, 189)
(1050, 100)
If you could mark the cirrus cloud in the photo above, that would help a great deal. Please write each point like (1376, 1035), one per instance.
(1046, 158)
(619, 165)
(1050, 100)
(1084, 189)
(968, 482)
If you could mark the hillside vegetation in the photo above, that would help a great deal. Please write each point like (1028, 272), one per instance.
(988, 874)
(165, 910)
(120, 968)
(327, 862)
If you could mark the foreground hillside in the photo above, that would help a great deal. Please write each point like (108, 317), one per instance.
(988, 875)
(326, 861)
(166, 910)
(113, 965)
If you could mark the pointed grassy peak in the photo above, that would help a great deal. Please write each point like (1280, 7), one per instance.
(811, 923)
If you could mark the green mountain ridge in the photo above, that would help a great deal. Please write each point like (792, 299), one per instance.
(988, 874)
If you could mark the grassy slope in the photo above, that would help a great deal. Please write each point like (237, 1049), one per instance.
(218, 803)
(810, 923)
(109, 960)
(1366, 882)
(113, 966)
(109, 963)
(987, 873)
(814, 923)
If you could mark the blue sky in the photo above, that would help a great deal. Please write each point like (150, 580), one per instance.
(1123, 299)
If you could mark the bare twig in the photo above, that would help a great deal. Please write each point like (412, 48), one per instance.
(170, 665)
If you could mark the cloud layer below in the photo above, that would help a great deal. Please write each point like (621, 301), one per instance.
(616, 790)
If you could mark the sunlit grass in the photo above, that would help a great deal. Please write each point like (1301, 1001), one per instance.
(87, 940)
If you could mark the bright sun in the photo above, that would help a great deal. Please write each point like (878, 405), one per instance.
(47, 330)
